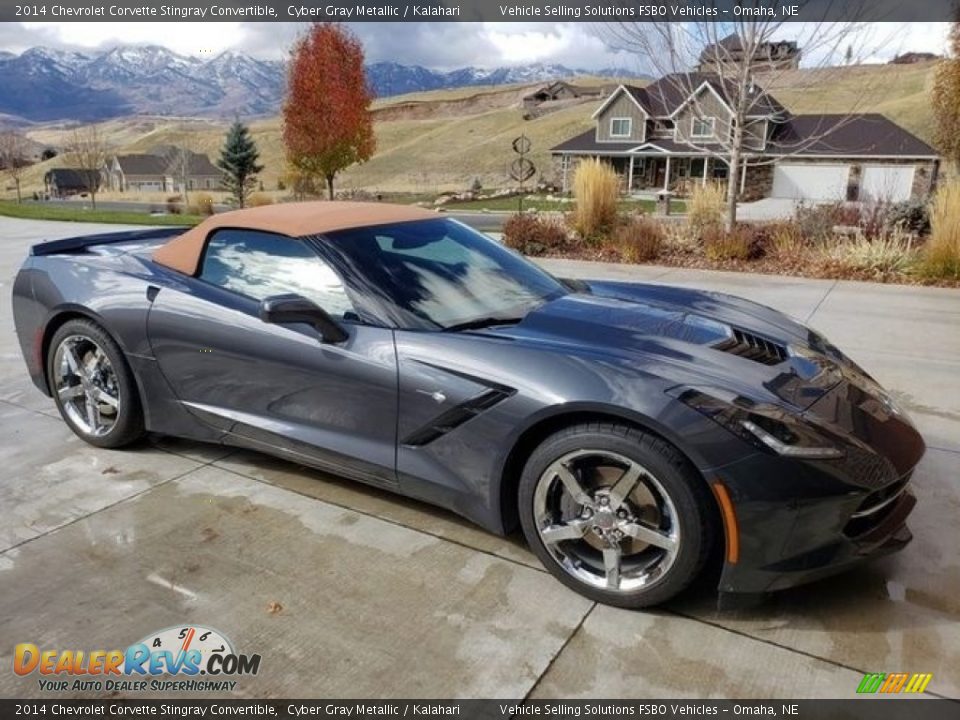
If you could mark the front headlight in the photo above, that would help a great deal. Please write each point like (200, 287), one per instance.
(764, 426)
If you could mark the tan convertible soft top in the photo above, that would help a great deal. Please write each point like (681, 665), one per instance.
(183, 252)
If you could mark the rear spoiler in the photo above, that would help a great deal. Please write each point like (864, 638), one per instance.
(81, 242)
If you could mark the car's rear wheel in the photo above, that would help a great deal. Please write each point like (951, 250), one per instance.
(617, 514)
(93, 386)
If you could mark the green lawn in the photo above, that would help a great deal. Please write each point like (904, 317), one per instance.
(510, 204)
(39, 211)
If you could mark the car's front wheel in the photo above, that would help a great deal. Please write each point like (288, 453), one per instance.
(93, 386)
(617, 514)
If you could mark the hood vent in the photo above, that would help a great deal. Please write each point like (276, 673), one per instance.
(753, 347)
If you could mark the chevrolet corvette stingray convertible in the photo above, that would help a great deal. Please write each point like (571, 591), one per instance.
(634, 432)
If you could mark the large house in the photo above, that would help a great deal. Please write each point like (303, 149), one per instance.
(766, 56)
(166, 169)
(672, 133)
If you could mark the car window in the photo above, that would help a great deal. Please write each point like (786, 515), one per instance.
(438, 273)
(258, 265)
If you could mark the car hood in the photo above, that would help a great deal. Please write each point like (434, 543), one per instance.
(693, 337)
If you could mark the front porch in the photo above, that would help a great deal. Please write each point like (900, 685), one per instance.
(647, 171)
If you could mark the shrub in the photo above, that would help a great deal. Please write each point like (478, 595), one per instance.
(202, 204)
(816, 222)
(706, 207)
(786, 238)
(941, 257)
(718, 244)
(596, 188)
(174, 206)
(910, 215)
(680, 237)
(639, 240)
(531, 234)
(477, 186)
(888, 252)
(257, 199)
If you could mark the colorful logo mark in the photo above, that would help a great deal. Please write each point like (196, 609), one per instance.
(184, 650)
(894, 683)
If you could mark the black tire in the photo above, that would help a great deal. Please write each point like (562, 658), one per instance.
(676, 477)
(127, 424)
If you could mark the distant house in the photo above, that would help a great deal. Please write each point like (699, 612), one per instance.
(771, 55)
(909, 58)
(138, 173)
(560, 90)
(161, 171)
(64, 182)
(667, 136)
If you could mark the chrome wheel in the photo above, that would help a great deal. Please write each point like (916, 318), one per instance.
(606, 520)
(86, 385)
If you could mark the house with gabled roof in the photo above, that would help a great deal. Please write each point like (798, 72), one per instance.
(765, 56)
(161, 171)
(672, 133)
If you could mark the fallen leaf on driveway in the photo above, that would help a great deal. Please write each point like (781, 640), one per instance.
(274, 607)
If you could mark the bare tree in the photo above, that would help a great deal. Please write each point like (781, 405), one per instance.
(13, 157)
(179, 163)
(87, 150)
(739, 64)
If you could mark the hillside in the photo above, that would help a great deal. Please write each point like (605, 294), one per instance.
(45, 84)
(442, 140)
(901, 92)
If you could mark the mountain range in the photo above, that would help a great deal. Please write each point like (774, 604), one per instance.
(44, 84)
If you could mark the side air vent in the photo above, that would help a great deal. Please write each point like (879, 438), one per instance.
(456, 416)
(753, 347)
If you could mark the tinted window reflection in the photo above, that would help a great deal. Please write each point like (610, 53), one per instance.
(438, 273)
(259, 265)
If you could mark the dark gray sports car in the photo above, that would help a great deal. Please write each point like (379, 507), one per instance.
(633, 431)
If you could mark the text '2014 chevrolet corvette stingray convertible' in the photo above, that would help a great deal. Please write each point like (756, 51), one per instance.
(631, 430)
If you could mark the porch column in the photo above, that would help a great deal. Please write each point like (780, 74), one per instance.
(743, 177)
(630, 177)
(666, 175)
(706, 164)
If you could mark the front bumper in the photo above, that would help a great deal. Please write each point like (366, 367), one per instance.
(801, 521)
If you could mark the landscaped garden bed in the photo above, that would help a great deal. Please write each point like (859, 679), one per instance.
(909, 243)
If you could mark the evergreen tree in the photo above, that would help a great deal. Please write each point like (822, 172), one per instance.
(238, 161)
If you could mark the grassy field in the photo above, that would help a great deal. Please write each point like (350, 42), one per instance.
(427, 155)
(901, 92)
(37, 211)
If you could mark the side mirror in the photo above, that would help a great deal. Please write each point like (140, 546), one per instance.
(280, 309)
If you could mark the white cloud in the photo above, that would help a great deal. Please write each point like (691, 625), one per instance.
(436, 45)
(185, 38)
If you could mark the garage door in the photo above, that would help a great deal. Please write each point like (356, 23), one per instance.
(809, 181)
(886, 182)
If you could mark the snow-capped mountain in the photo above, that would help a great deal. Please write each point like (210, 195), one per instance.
(46, 84)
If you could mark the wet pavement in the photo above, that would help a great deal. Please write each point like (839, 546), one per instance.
(349, 591)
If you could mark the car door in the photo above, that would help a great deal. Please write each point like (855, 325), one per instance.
(278, 387)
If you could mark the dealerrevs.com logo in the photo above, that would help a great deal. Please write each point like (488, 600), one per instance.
(169, 660)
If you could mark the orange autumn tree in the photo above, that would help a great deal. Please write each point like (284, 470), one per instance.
(327, 125)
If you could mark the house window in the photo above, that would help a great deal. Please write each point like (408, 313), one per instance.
(702, 127)
(620, 127)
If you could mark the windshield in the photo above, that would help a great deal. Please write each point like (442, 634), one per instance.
(437, 274)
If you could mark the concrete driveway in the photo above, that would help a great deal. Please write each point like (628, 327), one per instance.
(350, 592)
(767, 209)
